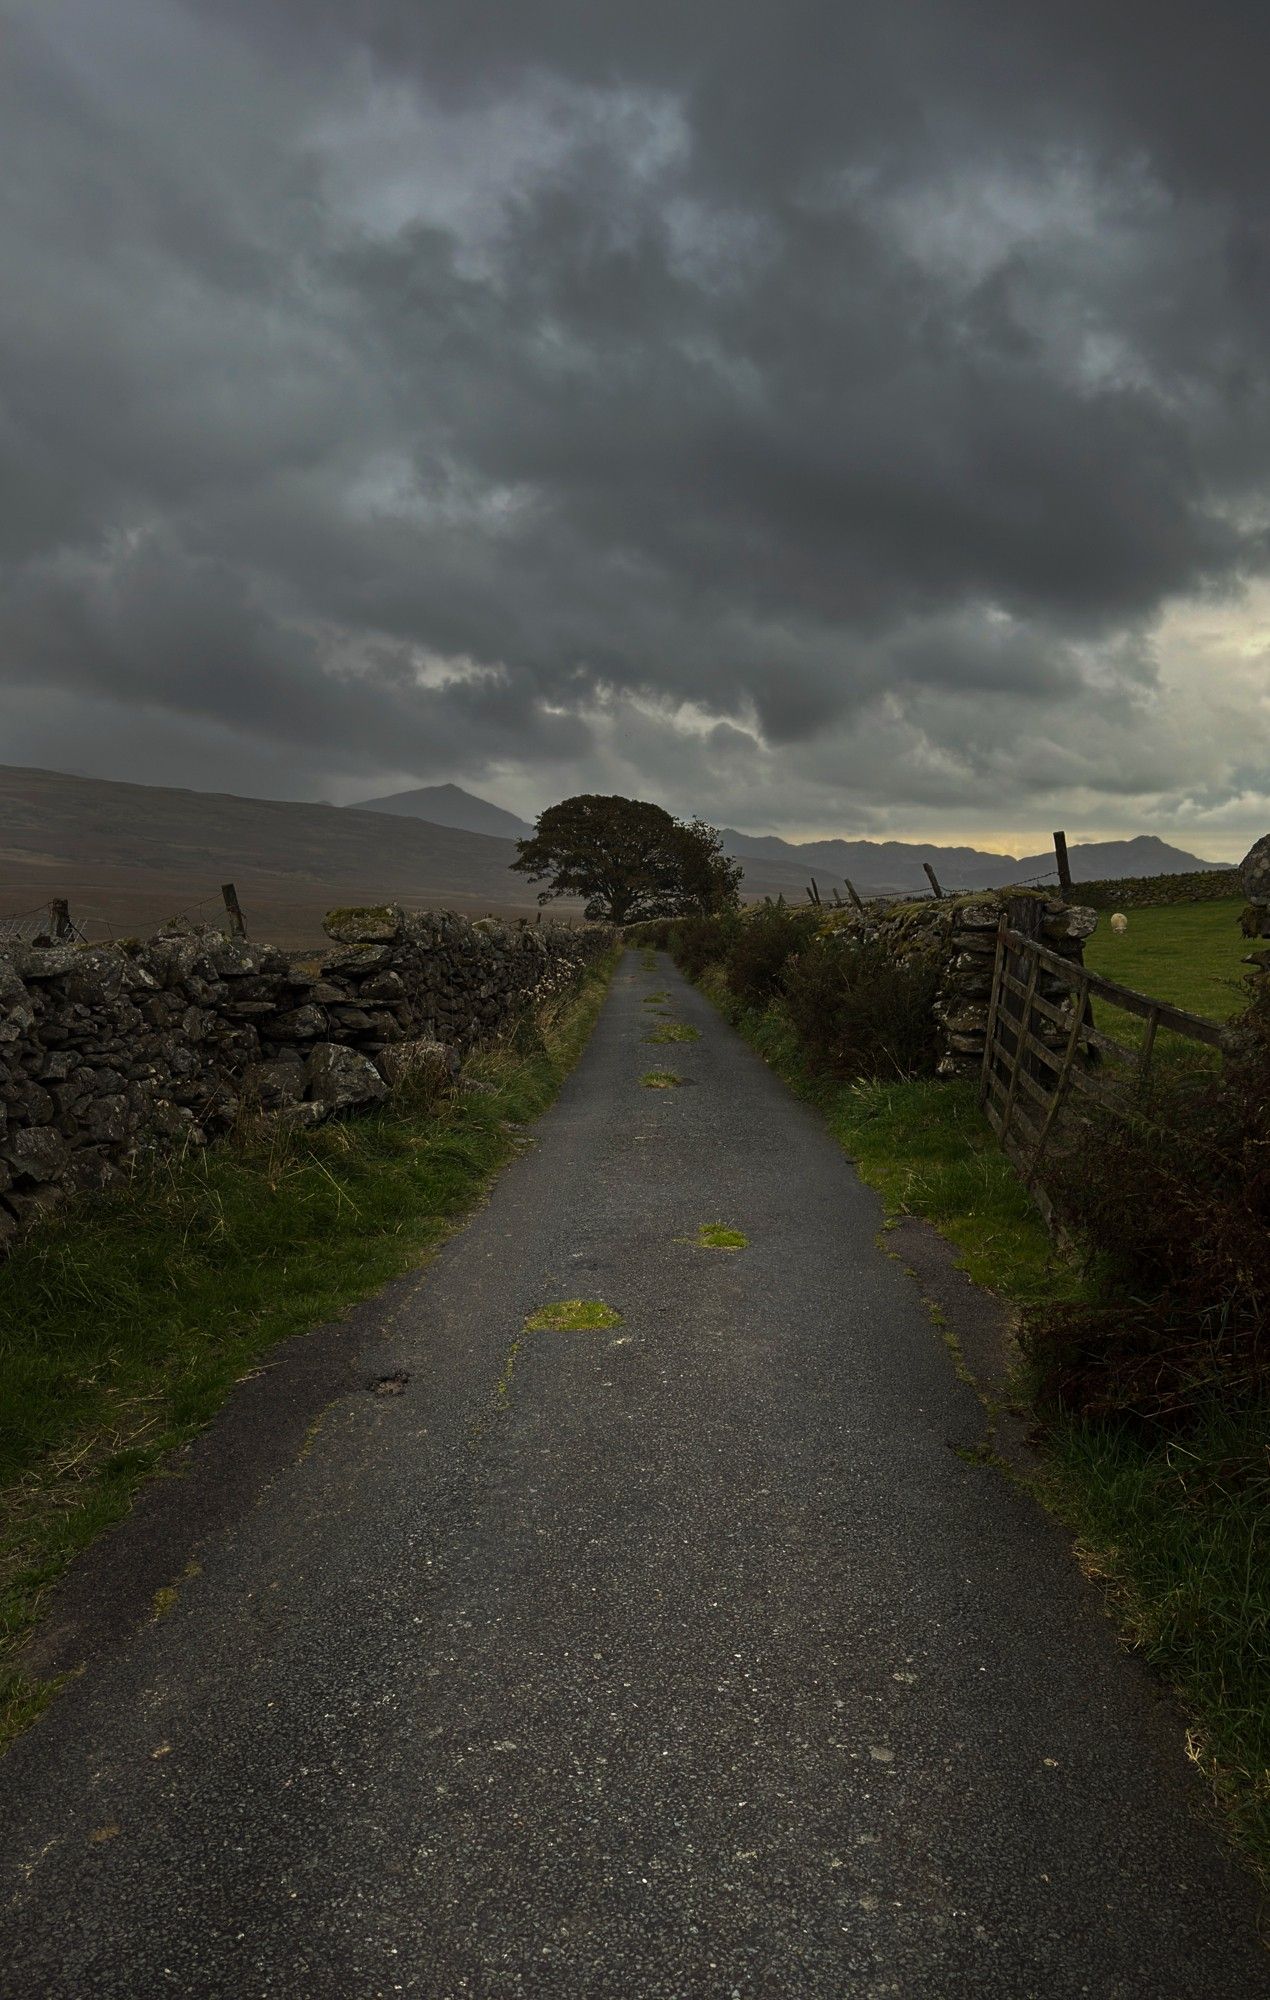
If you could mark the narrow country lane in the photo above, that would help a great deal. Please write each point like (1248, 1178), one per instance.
(683, 1657)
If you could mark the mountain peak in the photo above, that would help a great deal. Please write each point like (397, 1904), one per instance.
(450, 805)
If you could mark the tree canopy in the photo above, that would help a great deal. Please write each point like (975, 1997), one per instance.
(629, 858)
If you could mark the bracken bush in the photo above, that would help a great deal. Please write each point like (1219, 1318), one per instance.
(1176, 1205)
(857, 1010)
(758, 949)
(701, 941)
(861, 1012)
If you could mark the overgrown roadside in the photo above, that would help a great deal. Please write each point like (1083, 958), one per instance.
(124, 1326)
(1174, 1526)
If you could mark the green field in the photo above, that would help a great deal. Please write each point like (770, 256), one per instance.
(1187, 953)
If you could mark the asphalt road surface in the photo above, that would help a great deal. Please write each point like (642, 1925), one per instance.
(684, 1657)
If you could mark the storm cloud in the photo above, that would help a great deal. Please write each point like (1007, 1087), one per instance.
(829, 418)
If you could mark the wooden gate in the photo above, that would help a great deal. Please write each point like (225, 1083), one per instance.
(1042, 1043)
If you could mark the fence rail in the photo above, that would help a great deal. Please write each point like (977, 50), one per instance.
(1041, 1045)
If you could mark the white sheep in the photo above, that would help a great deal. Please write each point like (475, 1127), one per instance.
(1119, 924)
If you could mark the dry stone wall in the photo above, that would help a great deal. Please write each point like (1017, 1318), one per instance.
(958, 935)
(110, 1052)
(1131, 892)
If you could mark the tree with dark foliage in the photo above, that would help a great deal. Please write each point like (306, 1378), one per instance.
(629, 859)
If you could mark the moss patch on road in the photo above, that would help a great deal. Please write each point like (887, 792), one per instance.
(660, 1079)
(720, 1236)
(674, 1031)
(573, 1316)
(125, 1324)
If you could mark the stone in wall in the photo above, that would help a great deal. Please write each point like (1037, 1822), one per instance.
(1254, 875)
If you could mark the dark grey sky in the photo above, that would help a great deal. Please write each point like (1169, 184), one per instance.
(831, 417)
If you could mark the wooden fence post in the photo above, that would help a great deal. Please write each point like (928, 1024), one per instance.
(934, 879)
(852, 892)
(59, 918)
(236, 921)
(1064, 870)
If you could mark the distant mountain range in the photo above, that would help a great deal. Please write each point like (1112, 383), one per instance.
(127, 857)
(875, 867)
(892, 867)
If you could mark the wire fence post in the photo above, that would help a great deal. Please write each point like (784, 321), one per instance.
(237, 923)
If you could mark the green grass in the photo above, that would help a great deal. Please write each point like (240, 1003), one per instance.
(674, 1031)
(1178, 1532)
(660, 1079)
(720, 1236)
(1186, 953)
(928, 1150)
(573, 1316)
(124, 1326)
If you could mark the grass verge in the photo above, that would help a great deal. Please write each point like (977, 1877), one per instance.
(1179, 1528)
(1176, 1531)
(928, 1150)
(124, 1325)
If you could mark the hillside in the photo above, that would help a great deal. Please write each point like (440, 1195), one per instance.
(129, 856)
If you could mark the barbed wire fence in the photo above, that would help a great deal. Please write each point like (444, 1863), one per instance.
(51, 922)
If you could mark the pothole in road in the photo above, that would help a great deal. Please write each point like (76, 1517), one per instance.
(390, 1385)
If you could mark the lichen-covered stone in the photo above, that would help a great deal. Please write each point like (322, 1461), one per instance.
(379, 923)
(342, 1078)
(425, 1059)
(357, 958)
(1254, 871)
(36, 1153)
(1071, 921)
(270, 1084)
(982, 916)
(47, 961)
(299, 1024)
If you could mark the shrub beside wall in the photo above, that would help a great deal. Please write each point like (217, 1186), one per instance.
(896, 987)
(1177, 1205)
(110, 1051)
